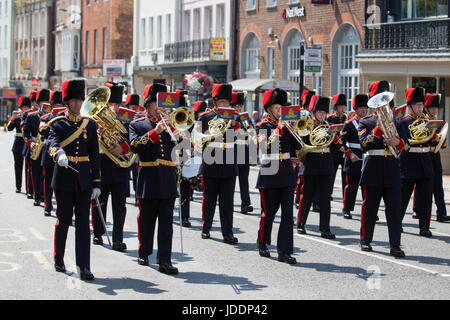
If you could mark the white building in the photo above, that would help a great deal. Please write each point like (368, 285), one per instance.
(6, 22)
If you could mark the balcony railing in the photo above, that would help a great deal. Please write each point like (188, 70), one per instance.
(187, 51)
(427, 34)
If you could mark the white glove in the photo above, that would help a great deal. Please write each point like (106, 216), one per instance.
(63, 161)
(96, 193)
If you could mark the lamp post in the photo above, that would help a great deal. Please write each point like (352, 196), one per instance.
(302, 66)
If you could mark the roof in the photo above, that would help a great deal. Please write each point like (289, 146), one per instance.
(263, 84)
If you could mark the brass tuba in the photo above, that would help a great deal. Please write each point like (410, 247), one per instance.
(95, 107)
(38, 144)
(380, 102)
(419, 131)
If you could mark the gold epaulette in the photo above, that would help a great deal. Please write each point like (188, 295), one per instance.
(55, 119)
(139, 119)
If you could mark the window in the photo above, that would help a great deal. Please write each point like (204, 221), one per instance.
(347, 54)
(87, 48)
(143, 33)
(220, 28)
(208, 23)
(294, 71)
(270, 62)
(271, 3)
(105, 43)
(159, 32)
(95, 47)
(317, 84)
(76, 60)
(250, 64)
(251, 4)
(187, 26)
(348, 71)
(419, 9)
(252, 60)
(168, 29)
(5, 38)
(150, 33)
(197, 25)
(1, 43)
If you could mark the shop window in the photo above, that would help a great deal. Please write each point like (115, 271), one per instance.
(420, 9)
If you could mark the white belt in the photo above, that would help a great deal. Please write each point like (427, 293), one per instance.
(324, 150)
(419, 149)
(242, 142)
(33, 139)
(354, 145)
(275, 156)
(19, 135)
(221, 145)
(379, 152)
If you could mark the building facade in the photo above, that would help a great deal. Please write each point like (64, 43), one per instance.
(7, 94)
(107, 41)
(270, 36)
(407, 42)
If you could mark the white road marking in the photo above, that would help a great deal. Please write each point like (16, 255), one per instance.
(12, 233)
(37, 234)
(40, 257)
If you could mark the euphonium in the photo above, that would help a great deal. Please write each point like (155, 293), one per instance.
(419, 131)
(95, 107)
(319, 137)
(38, 144)
(217, 127)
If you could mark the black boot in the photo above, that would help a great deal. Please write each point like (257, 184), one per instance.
(262, 248)
(327, 234)
(347, 214)
(301, 229)
(167, 268)
(425, 233)
(85, 274)
(397, 252)
(185, 222)
(284, 257)
(365, 246)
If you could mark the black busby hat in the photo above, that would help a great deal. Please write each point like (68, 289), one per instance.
(32, 95)
(73, 89)
(339, 100)
(222, 92)
(378, 87)
(43, 95)
(360, 100)
(24, 102)
(56, 97)
(275, 96)
(432, 100)
(238, 98)
(414, 95)
(151, 91)
(116, 92)
(319, 103)
(306, 98)
(183, 97)
(132, 100)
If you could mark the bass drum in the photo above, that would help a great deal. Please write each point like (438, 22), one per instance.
(191, 172)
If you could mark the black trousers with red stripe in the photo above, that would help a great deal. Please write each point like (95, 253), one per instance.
(18, 168)
(119, 197)
(438, 192)
(369, 211)
(48, 191)
(67, 201)
(149, 211)
(321, 186)
(351, 190)
(224, 189)
(36, 174)
(244, 190)
(422, 199)
(271, 201)
(28, 177)
(185, 194)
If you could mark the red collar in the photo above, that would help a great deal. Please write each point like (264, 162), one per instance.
(412, 115)
(430, 118)
(272, 121)
(151, 118)
(318, 122)
(73, 117)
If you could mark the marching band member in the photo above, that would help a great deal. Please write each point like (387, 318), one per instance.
(156, 188)
(199, 108)
(353, 156)
(31, 130)
(73, 146)
(318, 173)
(46, 161)
(237, 101)
(26, 151)
(415, 163)
(338, 117)
(380, 178)
(218, 179)
(114, 180)
(24, 105)
(276, 189)
(432, 105)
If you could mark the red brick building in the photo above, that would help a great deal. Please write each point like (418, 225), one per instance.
(269, 33)
(107, 33)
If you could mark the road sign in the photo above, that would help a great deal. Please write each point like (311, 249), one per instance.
(313, 60)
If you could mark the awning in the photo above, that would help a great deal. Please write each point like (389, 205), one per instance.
(263, 84)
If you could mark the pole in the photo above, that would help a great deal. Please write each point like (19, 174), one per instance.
(302, 66)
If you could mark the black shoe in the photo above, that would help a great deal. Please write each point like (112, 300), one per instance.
(29, 196)
(443, 219)
(316, 208)
(246, 209)
(263, 251)
(47, 213)
(98, 240)
(119, 246)
(18, 191)
(415, 216)
(347, 215)
(284, 257)
(206, 235)
(377, 218)
(297, 202)
(230, 239)
(397, 252)
(327, 234)
(36, 203)
(365, 246)
(60, 267)
(185, 222)
(86, 274)
(301, 229)
(425, 233)
(143, 261)
(167, 268)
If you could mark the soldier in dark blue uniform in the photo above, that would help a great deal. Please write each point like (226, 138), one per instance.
(276, 178)
(338, 117)
(24, 104)
(199, 108)
(318, 173)
(46, 161)
(30, 131)
(415, 163)
(353, 156)
(156, 188)
(26, 154)
(73, 145)
(114, 180)
(219, 179)
(432, 105)
(237, 101)
(380, 178)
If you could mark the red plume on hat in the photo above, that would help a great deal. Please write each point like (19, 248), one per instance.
(56, 97)
(32, 95)
(73, 89)
(414, 95)
(222, 92)
(275, 96)
(319, 103)
(360, 100)
(432, 100)
(151, 91)
(24, 102)
(200, 106)
(132, 100)
(378, 87)
(339, 100)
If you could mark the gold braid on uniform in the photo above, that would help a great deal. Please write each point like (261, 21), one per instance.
(369, 138)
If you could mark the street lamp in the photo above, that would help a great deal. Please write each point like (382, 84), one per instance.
(302, 66)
